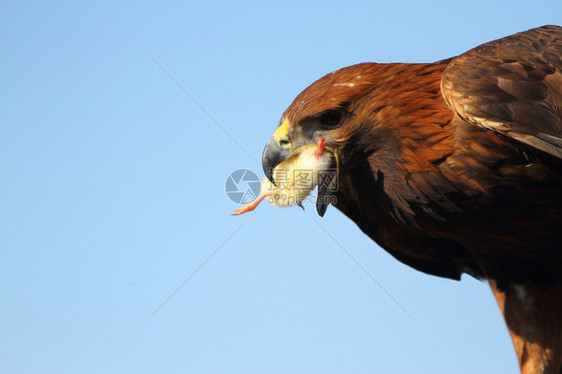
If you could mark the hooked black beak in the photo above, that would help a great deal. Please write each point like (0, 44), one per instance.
(272, 156)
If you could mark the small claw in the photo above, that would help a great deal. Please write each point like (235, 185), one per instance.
(325, 190)
(250, 206)
(321, 208)
(244, 209)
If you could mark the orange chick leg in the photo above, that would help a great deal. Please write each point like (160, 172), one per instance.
(250, 206)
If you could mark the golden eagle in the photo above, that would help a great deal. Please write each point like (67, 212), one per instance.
(452, 167)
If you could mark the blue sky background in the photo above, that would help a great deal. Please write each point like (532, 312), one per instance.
(112, 194)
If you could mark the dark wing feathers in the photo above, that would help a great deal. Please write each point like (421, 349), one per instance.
(512, 86)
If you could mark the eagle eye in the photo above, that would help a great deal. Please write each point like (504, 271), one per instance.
(331, 118)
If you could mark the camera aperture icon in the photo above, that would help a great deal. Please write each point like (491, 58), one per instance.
(243, 186)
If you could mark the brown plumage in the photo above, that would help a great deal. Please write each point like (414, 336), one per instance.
(455, 167)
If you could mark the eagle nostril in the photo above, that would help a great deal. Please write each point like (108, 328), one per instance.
(284, 143)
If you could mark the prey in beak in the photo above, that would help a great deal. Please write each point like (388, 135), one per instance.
(292, 175)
